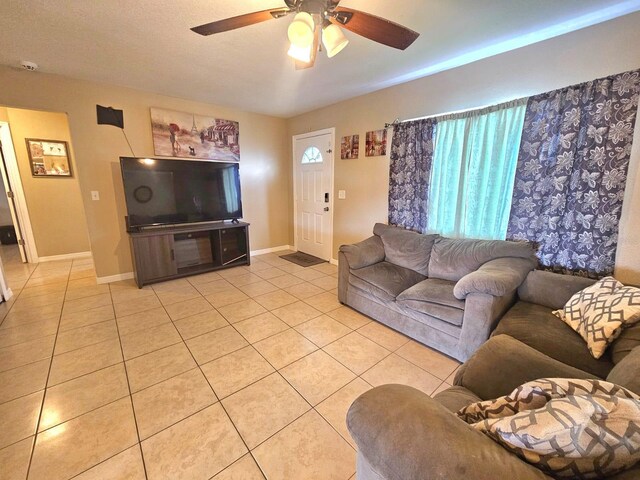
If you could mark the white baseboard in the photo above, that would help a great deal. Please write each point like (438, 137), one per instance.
(66, 256)
(115, 278)
(333, 261)
(271, 250)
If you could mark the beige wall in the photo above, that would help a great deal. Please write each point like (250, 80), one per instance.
(54, 204)
(264, 167)
(576, 57)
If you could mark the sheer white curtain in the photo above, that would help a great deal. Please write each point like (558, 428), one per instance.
(474, 164)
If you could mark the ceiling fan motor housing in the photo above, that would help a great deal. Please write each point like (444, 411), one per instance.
(320, 7)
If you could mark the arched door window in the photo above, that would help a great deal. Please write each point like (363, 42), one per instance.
(311, 155)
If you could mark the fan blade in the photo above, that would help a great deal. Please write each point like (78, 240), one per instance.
(374, 28)
(240, 21)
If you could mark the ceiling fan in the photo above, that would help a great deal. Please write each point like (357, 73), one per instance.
(320, 18)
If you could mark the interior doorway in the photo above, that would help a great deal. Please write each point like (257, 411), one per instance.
(313, 158)
(16, 238)
(46, 221)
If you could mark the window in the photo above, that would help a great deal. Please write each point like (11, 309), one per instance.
(474, 165)
(311, 155)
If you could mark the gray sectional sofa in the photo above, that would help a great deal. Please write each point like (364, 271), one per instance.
(446, 293)
(402, 433)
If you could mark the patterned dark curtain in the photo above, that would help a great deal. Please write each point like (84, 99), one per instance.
(572, 171)
(409, 172)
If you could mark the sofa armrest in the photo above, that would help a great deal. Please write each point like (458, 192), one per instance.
(404, 434)
(496, 277)
(482, 312)
(504, 363)
(365, 253)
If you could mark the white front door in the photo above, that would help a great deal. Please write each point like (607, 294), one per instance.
(313, 170)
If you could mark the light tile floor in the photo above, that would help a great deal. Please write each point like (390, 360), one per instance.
(242, 373)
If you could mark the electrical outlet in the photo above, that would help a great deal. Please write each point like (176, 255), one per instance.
(95, 195)
(342, 194)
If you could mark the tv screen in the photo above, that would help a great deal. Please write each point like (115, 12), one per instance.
(160, 192)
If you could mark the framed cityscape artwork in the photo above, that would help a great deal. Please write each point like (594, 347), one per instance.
(181, 134)
(376, 143)
(350, 147)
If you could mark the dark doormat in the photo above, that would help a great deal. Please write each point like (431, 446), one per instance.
(303, 259)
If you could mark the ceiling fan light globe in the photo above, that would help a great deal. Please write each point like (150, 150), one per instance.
(301, 30)
(302, 54)
(333, 40)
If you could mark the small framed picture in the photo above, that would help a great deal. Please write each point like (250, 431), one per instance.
(350, 147)
(376, 143)
(49, 158)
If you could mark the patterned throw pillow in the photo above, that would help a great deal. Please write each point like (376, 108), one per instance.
(600, 312)
(567, 428)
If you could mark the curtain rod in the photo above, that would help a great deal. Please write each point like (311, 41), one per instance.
(397, 121)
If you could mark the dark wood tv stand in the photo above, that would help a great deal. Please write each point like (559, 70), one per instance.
(168, 252)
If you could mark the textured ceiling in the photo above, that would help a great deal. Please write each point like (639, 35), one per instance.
(147, 44)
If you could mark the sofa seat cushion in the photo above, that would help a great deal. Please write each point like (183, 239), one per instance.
(456, 398)
(537, 327)
(384, 280)
(434, 297)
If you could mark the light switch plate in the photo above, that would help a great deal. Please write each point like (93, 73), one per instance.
(95, 195)
(342, 194)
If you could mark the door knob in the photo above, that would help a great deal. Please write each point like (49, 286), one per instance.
(326, 209)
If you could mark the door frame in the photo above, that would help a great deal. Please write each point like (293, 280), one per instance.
(296, 167)
(20, 201)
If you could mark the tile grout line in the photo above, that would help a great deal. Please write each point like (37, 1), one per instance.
(102, 461)
(183, 341)
(57, 384)
(126, 373)
(218, 399)
(44, 394)
(278, 371)
(312, 407)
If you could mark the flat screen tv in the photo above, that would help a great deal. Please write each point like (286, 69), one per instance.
(168, 192)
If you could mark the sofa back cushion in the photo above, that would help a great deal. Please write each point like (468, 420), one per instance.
(627, 372)
(365, 253)
(405, 248)
(627, 341)
(452, 259)
(550, 289)
(553, 290)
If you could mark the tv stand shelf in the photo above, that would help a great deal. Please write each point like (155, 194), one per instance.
(176, 251)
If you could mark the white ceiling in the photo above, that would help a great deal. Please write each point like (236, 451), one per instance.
(147, 44)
